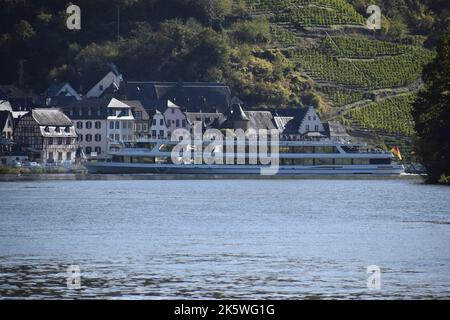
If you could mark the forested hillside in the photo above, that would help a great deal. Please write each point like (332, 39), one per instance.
(272, 53)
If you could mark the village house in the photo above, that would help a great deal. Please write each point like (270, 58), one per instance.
(6, 131)
(158, 129)
(89, 118)
(62, 89)
(48, 136)
(141, 118)
(111, 81)
(193, 96)
(6, 125)
(18, 99)
(120, 122)
(175, 118)
(306, 124)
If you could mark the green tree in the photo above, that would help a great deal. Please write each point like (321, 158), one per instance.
(432, 114)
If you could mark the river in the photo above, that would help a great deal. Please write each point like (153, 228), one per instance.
(256, 239)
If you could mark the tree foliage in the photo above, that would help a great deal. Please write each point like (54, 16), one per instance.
(432, 114)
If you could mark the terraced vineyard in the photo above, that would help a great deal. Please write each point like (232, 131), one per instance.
(304, 13)
(392, 115)
(347, 69)
(342, 97)
(327, 62)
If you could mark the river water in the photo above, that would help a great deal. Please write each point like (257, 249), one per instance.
(256, 239)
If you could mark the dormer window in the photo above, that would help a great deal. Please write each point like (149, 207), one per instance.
(67, 129)
(57, 129)
(47, 129)
(173, 110)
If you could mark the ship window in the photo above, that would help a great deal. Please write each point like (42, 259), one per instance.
(324, 161)
(380, 161)
(342, 161)
(304, 162)
(361, 161)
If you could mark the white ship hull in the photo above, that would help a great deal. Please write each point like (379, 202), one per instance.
(129, 168)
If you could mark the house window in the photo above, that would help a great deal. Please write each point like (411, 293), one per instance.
(154, 133)
(88, 150)
(60, 141)
(314, 118)
(161, 122)
(98, 137)
(173, 110)
(50, 141)
(154, 122)
(80, 137)
(68, 141)
(144, 127)
(88, 125)
(111, 125)
(98, 150)
(89, 137)
(178, 123)
(59, 156)
(117, 137)
(309, 118)
(183, 123)
(316, 128)
(98, 125)
(111, 136)
(69, 156)
(307, 127)
(117, 124)
(50, 156)
(161, 133)
(79, 125)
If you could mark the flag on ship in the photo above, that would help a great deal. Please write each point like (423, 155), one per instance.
(396, 152)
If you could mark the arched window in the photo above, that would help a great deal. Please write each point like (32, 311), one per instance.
(88, 125)
(89, 137)
(98, 125)
(88, 150)
(98, 137)
(98, 150)
(79, 125)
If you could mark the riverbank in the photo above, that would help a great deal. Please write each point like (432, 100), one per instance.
(76, 176)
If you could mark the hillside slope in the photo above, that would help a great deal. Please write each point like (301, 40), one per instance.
(272, 53)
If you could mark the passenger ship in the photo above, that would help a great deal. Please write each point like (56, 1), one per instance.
(314, 157)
